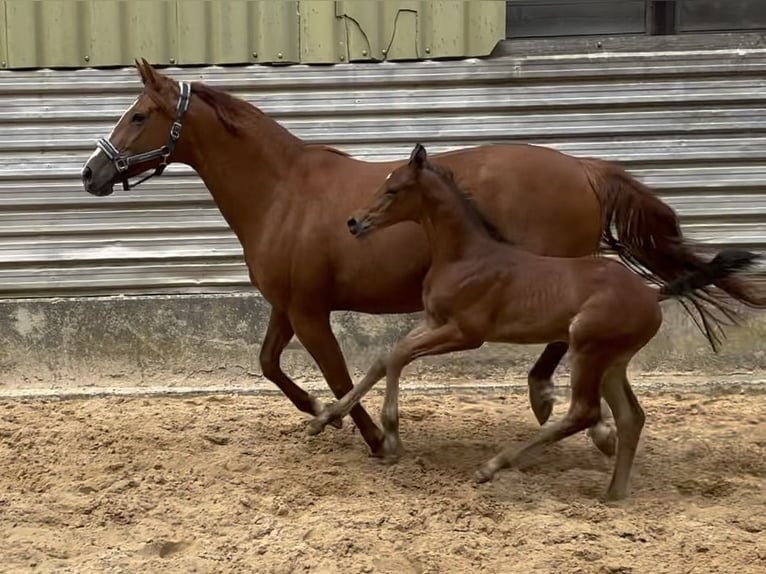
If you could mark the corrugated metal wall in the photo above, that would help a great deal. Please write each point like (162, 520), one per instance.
(691, 124)
(93, 33)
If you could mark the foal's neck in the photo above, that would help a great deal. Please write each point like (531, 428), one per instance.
(452, 231)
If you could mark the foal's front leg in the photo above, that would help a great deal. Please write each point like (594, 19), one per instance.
(422, 341)
(340, 408)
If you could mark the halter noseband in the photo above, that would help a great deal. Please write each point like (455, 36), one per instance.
(123, 162)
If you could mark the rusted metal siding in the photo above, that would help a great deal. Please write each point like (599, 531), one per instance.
(690, 124)
(100, 33)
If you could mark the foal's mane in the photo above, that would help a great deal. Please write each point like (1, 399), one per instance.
(468, 201)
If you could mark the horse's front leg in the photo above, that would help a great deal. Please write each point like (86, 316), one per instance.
(278, 335)
(540, 380)
(343, 406)
(313, 330)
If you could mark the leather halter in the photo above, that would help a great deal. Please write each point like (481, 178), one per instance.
(122, 163)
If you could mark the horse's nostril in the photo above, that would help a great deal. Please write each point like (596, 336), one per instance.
(87, 174)
(352, 223)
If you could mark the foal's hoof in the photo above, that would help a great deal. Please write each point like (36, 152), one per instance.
(541, 400)
(315, 426)
(320, 410)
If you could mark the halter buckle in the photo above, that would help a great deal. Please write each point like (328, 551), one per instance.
(175, 130)
(121, 164)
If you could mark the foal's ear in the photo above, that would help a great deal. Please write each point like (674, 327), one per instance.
(418, 156)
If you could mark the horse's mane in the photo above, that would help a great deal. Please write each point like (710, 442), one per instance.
(231, 111)
(468, 201)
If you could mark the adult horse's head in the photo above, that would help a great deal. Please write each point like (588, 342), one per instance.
(397, 199)
(144, 138)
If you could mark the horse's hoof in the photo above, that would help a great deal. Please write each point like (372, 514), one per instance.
(336, 422)
(614, 498)
(605, 438)
(483, 475)
(389, 452)
(541, 401)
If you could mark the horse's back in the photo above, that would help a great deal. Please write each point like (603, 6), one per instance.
(539, 198)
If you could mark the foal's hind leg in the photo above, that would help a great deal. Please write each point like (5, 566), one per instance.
(629, 417)
(584, 411)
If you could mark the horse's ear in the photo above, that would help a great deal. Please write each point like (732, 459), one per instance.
(140, 70)
(149, 75)
(418, 156)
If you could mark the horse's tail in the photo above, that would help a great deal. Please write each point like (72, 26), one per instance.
(646, 235)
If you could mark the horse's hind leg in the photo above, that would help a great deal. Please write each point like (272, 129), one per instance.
(278, 335)
(584, 412)
(629, 417)
(540, 380)
(541, 398)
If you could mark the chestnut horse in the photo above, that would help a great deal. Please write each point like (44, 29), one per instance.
(480, 288)
(287, 202)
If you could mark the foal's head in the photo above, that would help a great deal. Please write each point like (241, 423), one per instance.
(141, 139)
(398, 199)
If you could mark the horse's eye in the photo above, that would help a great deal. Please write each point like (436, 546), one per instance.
(138, 118)
(391, 191)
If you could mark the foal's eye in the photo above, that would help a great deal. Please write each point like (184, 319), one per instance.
(391, 191)
(138, 118)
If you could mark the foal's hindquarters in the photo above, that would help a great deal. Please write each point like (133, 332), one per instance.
(603, 339)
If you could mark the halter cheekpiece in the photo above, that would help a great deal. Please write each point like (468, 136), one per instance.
(123, 162)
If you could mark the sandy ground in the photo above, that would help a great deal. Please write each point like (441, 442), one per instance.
(233, 484)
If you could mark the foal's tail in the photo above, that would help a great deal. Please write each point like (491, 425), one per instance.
(723, 265)
(646, 234)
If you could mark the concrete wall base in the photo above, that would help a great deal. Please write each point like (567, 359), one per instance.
(214, 339)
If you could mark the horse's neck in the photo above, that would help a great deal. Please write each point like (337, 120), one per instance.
(243, 172)
(451, 232)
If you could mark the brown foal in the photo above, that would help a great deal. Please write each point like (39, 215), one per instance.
(480, 288)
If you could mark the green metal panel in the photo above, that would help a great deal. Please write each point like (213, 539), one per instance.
(44, 33)
(79, 33)
(76, 33)
(237, 31)
(459, 29)
(120, 31)
(406, 30)
(3, 39)
(322, 38)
